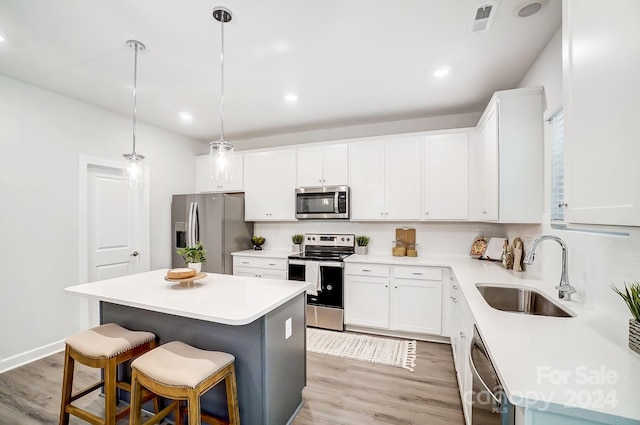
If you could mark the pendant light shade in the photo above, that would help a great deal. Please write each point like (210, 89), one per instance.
(133, 169)
(221, 151)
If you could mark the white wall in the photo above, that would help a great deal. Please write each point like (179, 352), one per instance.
(595, 260)
(42, 136)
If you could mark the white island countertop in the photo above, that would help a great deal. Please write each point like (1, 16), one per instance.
(579, 366)
(220, 298)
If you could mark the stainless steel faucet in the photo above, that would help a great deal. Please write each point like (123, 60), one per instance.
(564, 289)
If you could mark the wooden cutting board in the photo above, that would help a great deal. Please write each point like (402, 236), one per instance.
(406, 234)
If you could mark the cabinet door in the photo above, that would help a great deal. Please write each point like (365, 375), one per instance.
(203, 176)
(446, 177)
(485, 170)
(335, 165)
(366, 301)
(309, 167)
(281, 205)
(402, 179)
(416, 306)
(601, 89)
(257, 186)
(366, 177)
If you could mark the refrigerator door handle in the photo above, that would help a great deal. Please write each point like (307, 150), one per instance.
(190, 226)
(196, 224)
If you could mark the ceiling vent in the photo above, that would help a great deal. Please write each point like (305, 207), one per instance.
(483, 16)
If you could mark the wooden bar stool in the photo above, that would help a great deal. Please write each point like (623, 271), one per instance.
(178, 371)
(104, 347)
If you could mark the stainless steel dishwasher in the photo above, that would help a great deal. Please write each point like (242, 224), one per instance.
(490, 404)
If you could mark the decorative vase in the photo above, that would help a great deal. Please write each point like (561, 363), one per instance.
(296, 247)
(634, 335)
(361, 250)
(195, 266)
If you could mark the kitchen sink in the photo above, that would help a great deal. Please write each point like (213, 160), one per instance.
(517, 299)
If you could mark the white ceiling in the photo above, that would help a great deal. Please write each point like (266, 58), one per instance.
(349, 61)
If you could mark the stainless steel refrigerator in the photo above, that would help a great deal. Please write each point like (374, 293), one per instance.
(214, 219)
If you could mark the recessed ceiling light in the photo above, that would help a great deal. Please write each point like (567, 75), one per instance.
(185, 116)
(441, 72)
(291, 97)
(528, 8)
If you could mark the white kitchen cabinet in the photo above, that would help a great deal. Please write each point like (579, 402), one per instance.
(601, 64)
(506, 159)
(397, 298)
(366, 295)
(269, 268)
(326, 165)
(384, 176)
(446, 177)
(461, 337)
(416, 299)
(269, 185)
(203, 176)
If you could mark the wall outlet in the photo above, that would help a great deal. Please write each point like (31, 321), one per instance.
(287, 328)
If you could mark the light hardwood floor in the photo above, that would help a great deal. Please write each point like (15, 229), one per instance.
(338, 392)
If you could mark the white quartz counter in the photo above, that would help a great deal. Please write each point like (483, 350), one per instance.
(547, 362)
(264, 253)
(220, 298)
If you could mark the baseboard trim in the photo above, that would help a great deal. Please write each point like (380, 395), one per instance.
(399, 334)
(30, 356)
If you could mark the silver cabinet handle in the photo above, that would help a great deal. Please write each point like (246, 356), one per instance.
(417, 273)
(454, 299)
(245, 262)
(272, 264)
(366, 270)
(455, 286)
(135, 254)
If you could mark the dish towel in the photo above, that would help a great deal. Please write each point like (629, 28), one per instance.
(312, 275)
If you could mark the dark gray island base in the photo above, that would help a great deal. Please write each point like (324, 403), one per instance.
(271, 369)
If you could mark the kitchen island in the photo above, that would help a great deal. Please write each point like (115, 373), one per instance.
(260, 321)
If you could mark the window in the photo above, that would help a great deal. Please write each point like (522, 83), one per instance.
(557, 166)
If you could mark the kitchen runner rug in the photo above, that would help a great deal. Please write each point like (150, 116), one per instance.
(386, 351)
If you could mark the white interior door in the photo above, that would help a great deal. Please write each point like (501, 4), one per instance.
(113, 228)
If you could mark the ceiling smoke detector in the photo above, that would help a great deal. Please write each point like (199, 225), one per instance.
(529, 8)
(483, 16)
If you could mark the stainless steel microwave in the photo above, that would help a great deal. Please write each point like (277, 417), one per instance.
(327, 202)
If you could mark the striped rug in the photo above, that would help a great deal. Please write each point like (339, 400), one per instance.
(386, 351)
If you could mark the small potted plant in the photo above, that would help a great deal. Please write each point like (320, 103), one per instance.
(257, 242)
(194, 257)
(631, 296)
(361, 244)
(297, 242)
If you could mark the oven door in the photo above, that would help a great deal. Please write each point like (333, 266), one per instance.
(331, 282)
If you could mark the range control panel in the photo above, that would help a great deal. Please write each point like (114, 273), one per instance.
(329, 240)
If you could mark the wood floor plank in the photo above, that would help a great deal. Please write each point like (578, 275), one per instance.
(339, 392)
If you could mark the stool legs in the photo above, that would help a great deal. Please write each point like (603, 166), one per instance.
(232, 397)
(67, 382)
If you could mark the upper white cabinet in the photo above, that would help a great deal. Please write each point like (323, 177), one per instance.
(506, 159)
(203, 176)
(269, 185)
(446, 177)
(384, 176)
(326, 165)
(601, 64)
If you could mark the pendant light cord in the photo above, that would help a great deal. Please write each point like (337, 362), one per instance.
(135, 79)
(222, 81)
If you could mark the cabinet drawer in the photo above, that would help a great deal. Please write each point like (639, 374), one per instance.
(421, 273)
(263, 263)
(380, 270)
(258, 272)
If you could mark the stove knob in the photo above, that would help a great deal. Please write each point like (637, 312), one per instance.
(342, 239)
(329, 287)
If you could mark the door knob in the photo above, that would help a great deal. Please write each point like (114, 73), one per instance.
(135, 254)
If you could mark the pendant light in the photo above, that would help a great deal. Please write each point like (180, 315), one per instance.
(221, 151)
(133, 169)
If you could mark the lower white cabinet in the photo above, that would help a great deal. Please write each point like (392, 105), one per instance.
(461, 336)
(268, 268)
(400, 298)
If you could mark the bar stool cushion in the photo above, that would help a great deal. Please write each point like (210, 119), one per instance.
(107, 341)
(180, 365)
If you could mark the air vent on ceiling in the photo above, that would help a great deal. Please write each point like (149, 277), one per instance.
(483, 16)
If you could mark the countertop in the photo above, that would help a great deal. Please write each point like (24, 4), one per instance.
(220, 298)
(265, 253)
(549, 363)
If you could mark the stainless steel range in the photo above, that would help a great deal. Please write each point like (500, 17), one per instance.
(322, 264)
